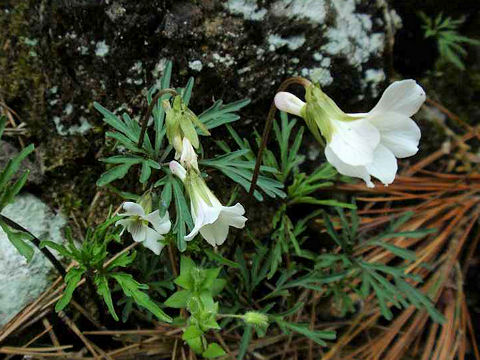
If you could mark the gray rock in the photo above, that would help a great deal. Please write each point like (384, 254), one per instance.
(234, 48)
(22, 282)
(8, 151)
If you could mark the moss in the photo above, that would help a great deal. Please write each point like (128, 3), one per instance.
(20, 65)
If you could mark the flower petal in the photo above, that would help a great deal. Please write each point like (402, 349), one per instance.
(215, 234)
(284, 101)
(124, 223)
(161, 224)
(138, 230)
(152, 241)
(233, 215)
(188, 157)
(177, 170)
(132, 208)
(404, 97)
(348, 170)
(399, 133)
(202, 214)
(384, 166)
(353, 142)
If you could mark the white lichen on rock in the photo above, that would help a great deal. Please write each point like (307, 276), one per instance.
(227, 59)
(352, 36)
(293, 42)
(313, 10)
(348, 35)
(319, 75)
(80, 129)
(21, 283)
(247, 8)
(195, 65)
(374, 77)
(101, 48)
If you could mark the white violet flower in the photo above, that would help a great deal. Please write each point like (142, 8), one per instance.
(188, 156)
(366, 144)
(137, 222)
(210, 217)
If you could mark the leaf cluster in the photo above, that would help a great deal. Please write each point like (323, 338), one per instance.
(391, 285)
(198, 287)
(91, 256)
(446, 32)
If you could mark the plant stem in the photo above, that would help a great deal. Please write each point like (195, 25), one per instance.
(36, 242)
(268, 126)
(173, 263)
(149, 110)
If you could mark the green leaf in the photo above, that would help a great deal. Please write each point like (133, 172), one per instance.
(196, 344)
(3, 122)
(101, 282)
(62, 250)
(19, 240)
(179, 299)
(213, 350)
(210, 275)
(400, 252)
(315, 201)
(245, 341)
(12, 191)
(123, 260)
(191, 332)
(220, 259)
(112, 120)
(185, 279)
(73, 277)
(132, 288)
(219, 114)
(145, 173)
(183, 215)
(116, 172)
(315, 335)
(13, 165)
(123, 159)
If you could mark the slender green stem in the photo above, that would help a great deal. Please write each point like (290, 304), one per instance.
(268, 126)
(36, 242)
(149, 110)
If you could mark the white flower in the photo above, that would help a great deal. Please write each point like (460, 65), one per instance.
(188, 157)
(137, 222)
(210, 217)
(366, 144)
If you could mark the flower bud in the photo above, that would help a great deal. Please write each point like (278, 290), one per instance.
(284, 101)
(256, 318)
(146, 202)
(188, 158)
(180, 123)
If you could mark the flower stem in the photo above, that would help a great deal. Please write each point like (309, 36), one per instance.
(36, 242)
(173, 262)
(149, 110)
(268, 126)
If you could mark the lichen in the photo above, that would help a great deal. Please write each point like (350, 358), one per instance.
(101, 48)
(293, 42)
(352, 36)
(195, 65)
(319, 75)
(374, 77)
(79, 129)
(313, 10)
(247, 8)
